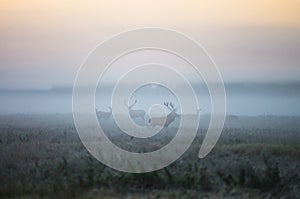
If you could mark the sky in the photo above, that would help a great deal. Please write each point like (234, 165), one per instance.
(43, 43)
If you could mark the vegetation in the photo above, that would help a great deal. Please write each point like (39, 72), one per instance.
(42, 157)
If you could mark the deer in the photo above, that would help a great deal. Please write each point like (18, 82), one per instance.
(165, 121)
(135, 113)
(104, 114)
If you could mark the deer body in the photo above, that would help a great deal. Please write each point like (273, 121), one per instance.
(134, 114)
(104, 114)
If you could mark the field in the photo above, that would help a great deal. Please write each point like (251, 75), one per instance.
(41, 156)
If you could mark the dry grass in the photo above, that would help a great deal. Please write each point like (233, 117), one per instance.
(47, 160)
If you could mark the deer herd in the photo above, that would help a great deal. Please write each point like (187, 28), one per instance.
(140, 114)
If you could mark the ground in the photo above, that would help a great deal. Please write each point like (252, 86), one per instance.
(42, 157)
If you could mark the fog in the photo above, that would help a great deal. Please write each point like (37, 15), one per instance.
(242, 99)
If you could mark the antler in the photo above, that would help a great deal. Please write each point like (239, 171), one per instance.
(130, 105)
(172, 105)
(169, 105)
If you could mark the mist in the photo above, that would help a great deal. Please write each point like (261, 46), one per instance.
(242, 99)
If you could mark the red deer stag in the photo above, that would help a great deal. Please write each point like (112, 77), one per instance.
(165, 121)
(104, 114)
(135, 113)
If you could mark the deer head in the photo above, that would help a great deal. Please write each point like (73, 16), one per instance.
(135, 113)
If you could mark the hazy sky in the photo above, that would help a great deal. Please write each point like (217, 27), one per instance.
(42, 43)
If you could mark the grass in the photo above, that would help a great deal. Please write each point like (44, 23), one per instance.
(49, 161)
(292, 150)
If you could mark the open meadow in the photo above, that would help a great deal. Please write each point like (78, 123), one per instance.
(41, 156)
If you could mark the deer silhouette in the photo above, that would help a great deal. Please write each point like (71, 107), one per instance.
(104, 114)
(135, 113)
(165, 121)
